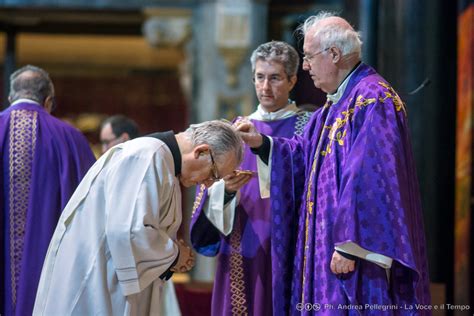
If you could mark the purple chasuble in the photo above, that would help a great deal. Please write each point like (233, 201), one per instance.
(253, 274)
(43, 160)
(360, 187)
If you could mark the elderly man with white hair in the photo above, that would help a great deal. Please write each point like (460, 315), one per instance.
(360, 244)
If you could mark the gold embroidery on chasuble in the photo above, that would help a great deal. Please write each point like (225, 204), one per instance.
(309, 201)
(391, 94)
(198, 199)
(238, 300)
(337, 133)
(237, 284)
(22, 143)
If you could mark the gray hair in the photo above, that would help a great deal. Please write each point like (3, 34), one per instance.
(347, 40)
(37, 86)
(277, 51)
(220, 135)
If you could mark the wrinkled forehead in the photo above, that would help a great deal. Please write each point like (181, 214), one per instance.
(310, 41)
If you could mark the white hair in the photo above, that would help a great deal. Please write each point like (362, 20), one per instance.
(346, 39)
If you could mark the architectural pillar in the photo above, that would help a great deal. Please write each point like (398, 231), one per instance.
(9, 63)
(416, 41)
(224, 35)
(368, 22)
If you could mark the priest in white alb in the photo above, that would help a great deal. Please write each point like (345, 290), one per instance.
(115, 243)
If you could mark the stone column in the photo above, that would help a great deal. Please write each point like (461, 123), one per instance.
(9, 63)
(225, 32)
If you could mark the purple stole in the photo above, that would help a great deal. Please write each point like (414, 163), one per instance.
(254, 266)
(360, 187)
(42, 161)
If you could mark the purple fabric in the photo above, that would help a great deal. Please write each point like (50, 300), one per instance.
(43, 160)
(361, 186)
(254, 261)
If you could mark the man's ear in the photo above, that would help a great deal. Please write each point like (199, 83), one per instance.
(292, 81)
(48, 104)
(125, 136)
(200, 150)
(336, 54)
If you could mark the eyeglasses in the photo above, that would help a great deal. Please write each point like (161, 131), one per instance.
(309, 57)
(215, 173)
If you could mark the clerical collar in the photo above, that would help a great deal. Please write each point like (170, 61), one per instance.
(336, 96)
(25, 101)
(170, 140)
(288, 111)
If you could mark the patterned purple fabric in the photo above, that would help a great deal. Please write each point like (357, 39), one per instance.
(361, 187)
(42, 161)
(253, 275)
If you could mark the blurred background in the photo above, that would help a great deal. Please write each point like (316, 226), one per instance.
(169, 63)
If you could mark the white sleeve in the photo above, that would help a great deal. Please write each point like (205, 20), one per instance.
(140, 247)
(220, 215)
(264, 172)
(356, 250)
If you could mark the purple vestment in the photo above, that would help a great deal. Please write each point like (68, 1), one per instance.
(361, 187)
(252, 274)
(42, 161)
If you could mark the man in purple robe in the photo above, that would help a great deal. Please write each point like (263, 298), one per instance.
(253, 248)
(42, 161)
(360, 244)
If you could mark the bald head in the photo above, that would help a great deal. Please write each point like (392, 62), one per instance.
(328, 30)
(33, 83)
(334, 21)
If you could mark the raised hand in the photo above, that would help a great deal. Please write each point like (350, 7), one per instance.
(248, 132)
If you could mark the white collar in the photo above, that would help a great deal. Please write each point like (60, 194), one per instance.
(288, 111)
(336, 96)
(25, 101)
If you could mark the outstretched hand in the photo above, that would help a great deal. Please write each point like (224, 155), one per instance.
(186, 258)
(248, 132)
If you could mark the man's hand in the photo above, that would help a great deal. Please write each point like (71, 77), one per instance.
(249, 133)
(339, 264)
(186, 258)
(236, 180)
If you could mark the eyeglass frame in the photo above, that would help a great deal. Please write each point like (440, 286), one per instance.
(215, 171)
(308, 58)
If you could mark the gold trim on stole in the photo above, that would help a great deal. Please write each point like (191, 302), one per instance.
(238, 300)
(23, 127)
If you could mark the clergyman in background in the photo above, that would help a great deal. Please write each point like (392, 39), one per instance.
(117, 129)
(42, 161)
(252, 245)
